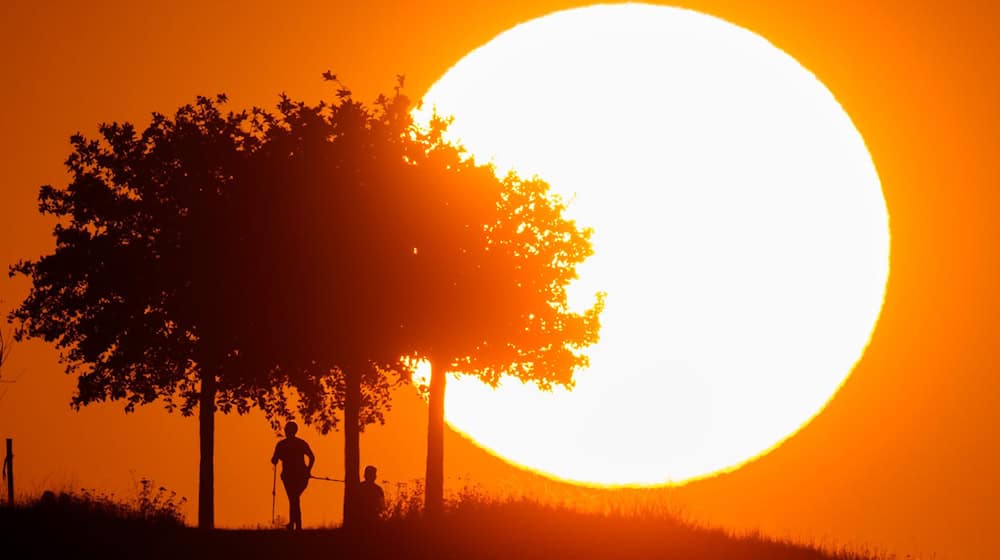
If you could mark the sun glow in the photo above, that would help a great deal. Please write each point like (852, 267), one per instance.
(740, 234)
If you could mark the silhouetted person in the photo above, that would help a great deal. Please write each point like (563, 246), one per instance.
(295, 470)
(371, 499)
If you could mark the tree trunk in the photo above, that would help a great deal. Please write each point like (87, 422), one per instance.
(434, 480)
(352, 443)
(206, 429)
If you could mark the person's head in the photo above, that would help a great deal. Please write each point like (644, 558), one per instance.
(291, 429)
(370, 473)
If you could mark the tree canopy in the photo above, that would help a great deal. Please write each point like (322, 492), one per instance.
(120, 295)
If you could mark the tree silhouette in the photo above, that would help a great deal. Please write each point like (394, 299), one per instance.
(135, 293)
(320, 287)
(492, 284)
(326, 234)
(402, 247)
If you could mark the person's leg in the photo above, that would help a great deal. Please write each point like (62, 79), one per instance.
(298, 499)
(295, 508)
(293, 500)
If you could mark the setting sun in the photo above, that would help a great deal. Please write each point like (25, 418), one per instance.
(740, 234)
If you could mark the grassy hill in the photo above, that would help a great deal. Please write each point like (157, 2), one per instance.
(71, 526)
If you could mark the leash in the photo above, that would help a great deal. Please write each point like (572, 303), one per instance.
(326, 478)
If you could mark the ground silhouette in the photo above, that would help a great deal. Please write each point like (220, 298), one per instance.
(469, 529)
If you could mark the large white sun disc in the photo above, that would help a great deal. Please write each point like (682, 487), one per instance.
(740, 234)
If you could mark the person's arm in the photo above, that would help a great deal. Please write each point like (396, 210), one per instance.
(312, 458)
(274, 456)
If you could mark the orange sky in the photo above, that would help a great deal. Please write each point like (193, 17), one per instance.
(903, 459)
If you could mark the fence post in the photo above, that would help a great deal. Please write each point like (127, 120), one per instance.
(8, 464)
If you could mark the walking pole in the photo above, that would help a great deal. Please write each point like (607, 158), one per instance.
(274, 488)
(8, 471)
